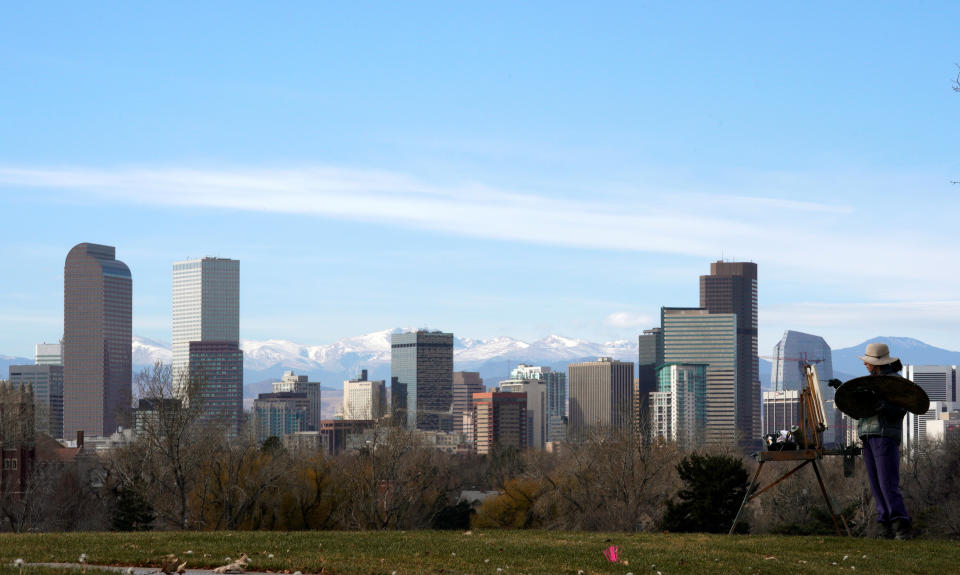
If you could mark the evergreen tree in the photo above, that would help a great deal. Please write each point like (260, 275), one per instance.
(131, 512)
(714, 486)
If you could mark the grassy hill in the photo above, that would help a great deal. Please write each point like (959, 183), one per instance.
(493, 552)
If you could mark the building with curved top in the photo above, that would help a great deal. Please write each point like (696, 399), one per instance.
(97, 341)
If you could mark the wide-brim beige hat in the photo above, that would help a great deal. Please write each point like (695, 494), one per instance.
(877, 354)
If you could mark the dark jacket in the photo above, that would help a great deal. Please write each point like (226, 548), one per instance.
(887, 419)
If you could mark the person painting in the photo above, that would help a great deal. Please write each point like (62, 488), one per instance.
(881, 434)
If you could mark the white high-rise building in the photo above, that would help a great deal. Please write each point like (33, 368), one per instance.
(364, 399)
(206, 306)
(49, 354)
(678, 409)
(915, 427)
(293, 383)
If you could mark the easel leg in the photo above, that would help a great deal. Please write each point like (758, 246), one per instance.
(826, 497)
(746, 497)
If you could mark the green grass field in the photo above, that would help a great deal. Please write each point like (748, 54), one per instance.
(490, 552)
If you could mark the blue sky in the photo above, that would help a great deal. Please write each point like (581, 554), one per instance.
(489, 168)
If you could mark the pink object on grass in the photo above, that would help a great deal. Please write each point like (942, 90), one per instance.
(612, 553)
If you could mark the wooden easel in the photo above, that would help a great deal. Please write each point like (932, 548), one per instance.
(810, 444)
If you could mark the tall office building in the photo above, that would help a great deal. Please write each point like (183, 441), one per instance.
(649, 356)
(364, 399)
(731, 287)
(679, 413)
(535, 390)
(501, 420)
(97, 341)
(291, 382)
(601, 396)
(465, 384)
(694, 335)
(206, 308)
(421, 379)
(49, 354)
(556, 410)
(217, 366)
(206, 305)
(792, 352)
(46, 381)
(940, 384)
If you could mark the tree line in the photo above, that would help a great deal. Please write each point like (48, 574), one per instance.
(182, 473)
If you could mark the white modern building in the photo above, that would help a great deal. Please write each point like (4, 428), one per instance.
(206, 306)
(293, 383)
(49, 354)
(678, 408)
(364, 399)
(916, 428)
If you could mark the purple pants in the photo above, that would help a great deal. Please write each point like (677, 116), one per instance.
(882, 457)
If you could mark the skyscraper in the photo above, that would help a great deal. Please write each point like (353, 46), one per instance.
(535, 391)
(731, 287)
(694, 335)
(421, 377)
(97, 341)
(465, 384)
(679, 412)
(556, 410)
(206, 309)
(501, 420)
(206, 305)
(217, 367)
(792, 352)
(601, 396)
(364, 399)
(649, 356)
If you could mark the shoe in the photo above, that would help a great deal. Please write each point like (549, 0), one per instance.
(885, 530)
(902, 529)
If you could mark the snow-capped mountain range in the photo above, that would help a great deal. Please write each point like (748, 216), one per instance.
(265, 361)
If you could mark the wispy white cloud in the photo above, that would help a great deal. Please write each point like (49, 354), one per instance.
(627, 319)
(825, 240)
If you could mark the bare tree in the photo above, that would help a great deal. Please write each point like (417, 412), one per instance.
(394, 483)
(609, 481)
(162, 465)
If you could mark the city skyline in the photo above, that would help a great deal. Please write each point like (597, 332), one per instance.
(521, 152)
